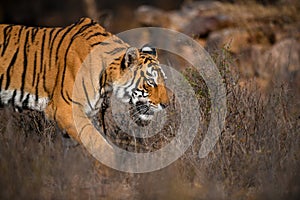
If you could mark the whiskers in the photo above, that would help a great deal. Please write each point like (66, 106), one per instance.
(136, 112)
(138, 109)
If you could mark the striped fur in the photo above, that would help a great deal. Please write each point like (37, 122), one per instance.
(38, 67)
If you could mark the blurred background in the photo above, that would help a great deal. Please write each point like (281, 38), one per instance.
(256, 46)
(251, 30)
(120, 13)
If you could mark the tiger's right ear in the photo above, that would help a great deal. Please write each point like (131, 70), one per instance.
(131, 57)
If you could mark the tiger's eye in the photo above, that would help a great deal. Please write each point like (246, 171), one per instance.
(151, 82)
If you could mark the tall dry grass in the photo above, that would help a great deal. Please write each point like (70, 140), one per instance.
(256, 157)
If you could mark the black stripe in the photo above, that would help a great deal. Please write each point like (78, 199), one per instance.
(34, 32)
(37, 88)
(11, 64)
(51, 46)
(43, 65)
(42, 51)
(20, 32)
(26, 101)
(83, 28)
(102, 81)
(13, 97)
(55, 84)
(82, 19)
(152, 64)
(118, 59)
(148, 74)
(63, 95)
(105, 34)
(54, 114)
(116, 50)
(119, 41)
(91, 72)
(1, 80)
(144, 87)
(44, 82)
(24, 65)
(6, 35)
(63, 75)
(34, 69)
(70, 99)
(147, 59)
(132, 81)
(84, 35)
(50, 36)
(99, 43)
(50, 59)
(136, 84)
(123, 64)
(86, 95)
(68, 30)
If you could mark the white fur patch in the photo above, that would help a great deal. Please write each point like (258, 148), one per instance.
(146, 117)
(8, 95)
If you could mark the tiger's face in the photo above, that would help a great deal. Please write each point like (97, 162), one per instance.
(142, 82)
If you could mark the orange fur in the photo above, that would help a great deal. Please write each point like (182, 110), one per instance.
(38, 63)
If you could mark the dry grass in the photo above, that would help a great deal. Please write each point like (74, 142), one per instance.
(37, 162)
(257, 156)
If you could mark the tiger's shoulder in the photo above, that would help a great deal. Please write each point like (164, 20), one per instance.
(38, 61)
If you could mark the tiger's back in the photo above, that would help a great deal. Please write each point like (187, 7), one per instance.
(35, 61)
(38, 68)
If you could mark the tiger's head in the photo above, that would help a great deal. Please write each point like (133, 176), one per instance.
(140, 81)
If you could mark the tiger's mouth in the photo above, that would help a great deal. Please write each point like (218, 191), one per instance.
(142, 113)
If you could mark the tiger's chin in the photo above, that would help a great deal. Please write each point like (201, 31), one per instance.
(146, 117)
(143, 119)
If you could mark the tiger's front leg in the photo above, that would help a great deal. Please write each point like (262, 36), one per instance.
(80, 129)
(64, 118)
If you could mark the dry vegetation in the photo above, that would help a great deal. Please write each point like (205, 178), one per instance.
(256, 157)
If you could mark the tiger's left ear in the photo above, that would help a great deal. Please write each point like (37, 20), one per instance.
(131, 57)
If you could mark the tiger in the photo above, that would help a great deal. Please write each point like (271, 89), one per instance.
(38, 68)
